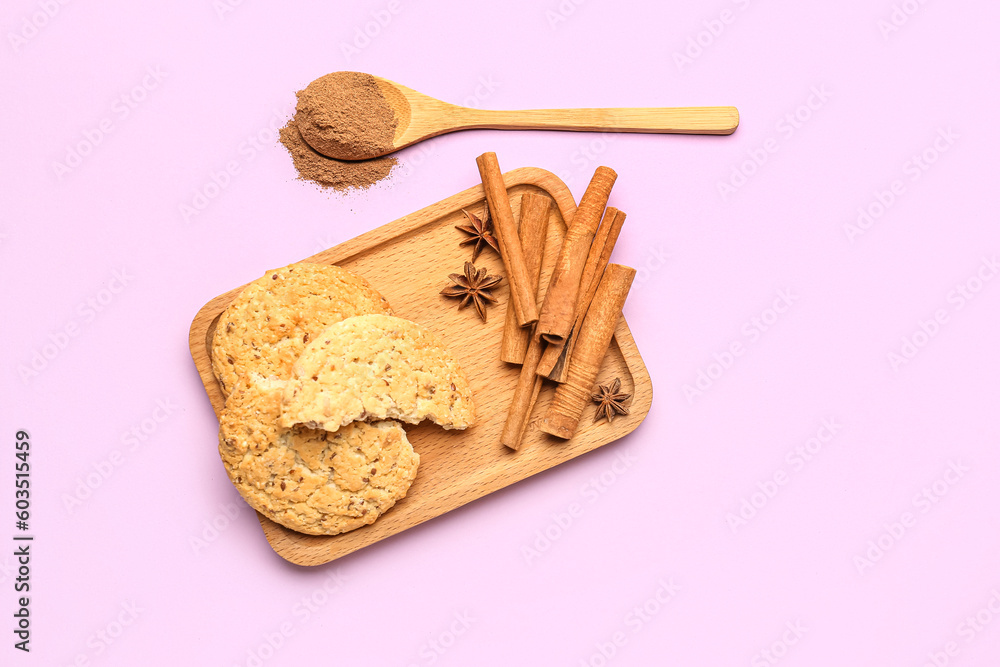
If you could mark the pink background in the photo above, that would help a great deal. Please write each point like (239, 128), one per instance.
(843, 562)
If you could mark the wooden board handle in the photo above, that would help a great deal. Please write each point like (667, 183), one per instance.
(671, 120)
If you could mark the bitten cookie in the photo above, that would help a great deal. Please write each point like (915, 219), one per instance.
(315, 482)
(264, 330)
(377, 367)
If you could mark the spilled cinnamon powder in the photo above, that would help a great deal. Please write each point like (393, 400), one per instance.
(326, 172)
(344, 110)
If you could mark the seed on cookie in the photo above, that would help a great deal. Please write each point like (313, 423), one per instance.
(333, 395)
(265, 328)
(372, 464)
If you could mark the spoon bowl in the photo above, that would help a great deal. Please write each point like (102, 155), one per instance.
(420, 117)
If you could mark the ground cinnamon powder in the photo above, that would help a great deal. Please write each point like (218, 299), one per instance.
(345, 115)
(344, 109)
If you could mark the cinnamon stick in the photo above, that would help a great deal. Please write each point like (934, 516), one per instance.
(556, 315)
(553, 364)
(533, 228)
(525, 395)
(596, 331)
(505, 230)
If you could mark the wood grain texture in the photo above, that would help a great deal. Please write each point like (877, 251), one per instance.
(420, 117)
(456, 467)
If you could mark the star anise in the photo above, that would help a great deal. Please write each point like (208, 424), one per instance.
(473, 287)
(610, 401)
(480, 232)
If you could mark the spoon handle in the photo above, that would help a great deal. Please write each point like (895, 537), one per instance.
(673, 120)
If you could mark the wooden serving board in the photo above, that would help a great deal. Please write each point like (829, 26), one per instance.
(409, 260)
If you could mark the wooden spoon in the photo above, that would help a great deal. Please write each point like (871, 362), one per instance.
(420, 117)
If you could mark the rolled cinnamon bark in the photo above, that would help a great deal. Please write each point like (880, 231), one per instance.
(596, 332)
(532, 230)
(556, 315)
(505, 231)
(553, 363)
(525, 395)
(604, 245)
